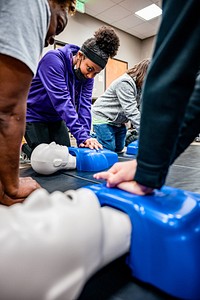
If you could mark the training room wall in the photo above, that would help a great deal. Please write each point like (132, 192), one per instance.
(147, 47)
(82, 26)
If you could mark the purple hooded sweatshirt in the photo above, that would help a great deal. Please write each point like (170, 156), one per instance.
(56, 94)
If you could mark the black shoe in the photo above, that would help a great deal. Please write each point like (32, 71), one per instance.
(26, 150)
(131, 136)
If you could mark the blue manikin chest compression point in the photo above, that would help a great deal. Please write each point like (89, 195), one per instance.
(165, 241)
(93, 160)
(132, 148)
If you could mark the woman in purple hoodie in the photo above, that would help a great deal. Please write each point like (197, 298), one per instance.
(60, 96)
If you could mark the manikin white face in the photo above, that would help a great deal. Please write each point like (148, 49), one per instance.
(50, 244)
(49, 158)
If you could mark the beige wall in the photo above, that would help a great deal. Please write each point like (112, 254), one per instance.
(147, 47)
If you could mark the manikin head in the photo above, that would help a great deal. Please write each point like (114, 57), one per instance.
(49, 158)
(50, 245)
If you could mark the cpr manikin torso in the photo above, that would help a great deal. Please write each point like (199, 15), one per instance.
(46, 159)
(50, 158)
(52, 243)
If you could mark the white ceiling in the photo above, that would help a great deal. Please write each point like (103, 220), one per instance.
(120, 14)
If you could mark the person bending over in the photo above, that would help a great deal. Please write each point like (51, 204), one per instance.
(60, 96)
(118, 105)
(34, 24)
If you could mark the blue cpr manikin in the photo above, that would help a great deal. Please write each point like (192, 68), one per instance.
(93, 160)
(132, 148)
(165, 238)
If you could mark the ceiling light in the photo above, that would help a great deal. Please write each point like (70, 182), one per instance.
(149, 12)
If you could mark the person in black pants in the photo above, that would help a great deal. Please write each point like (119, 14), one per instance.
(60, 96)
(38, 132)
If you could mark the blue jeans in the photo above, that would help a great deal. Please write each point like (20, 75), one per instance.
(111, 137)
